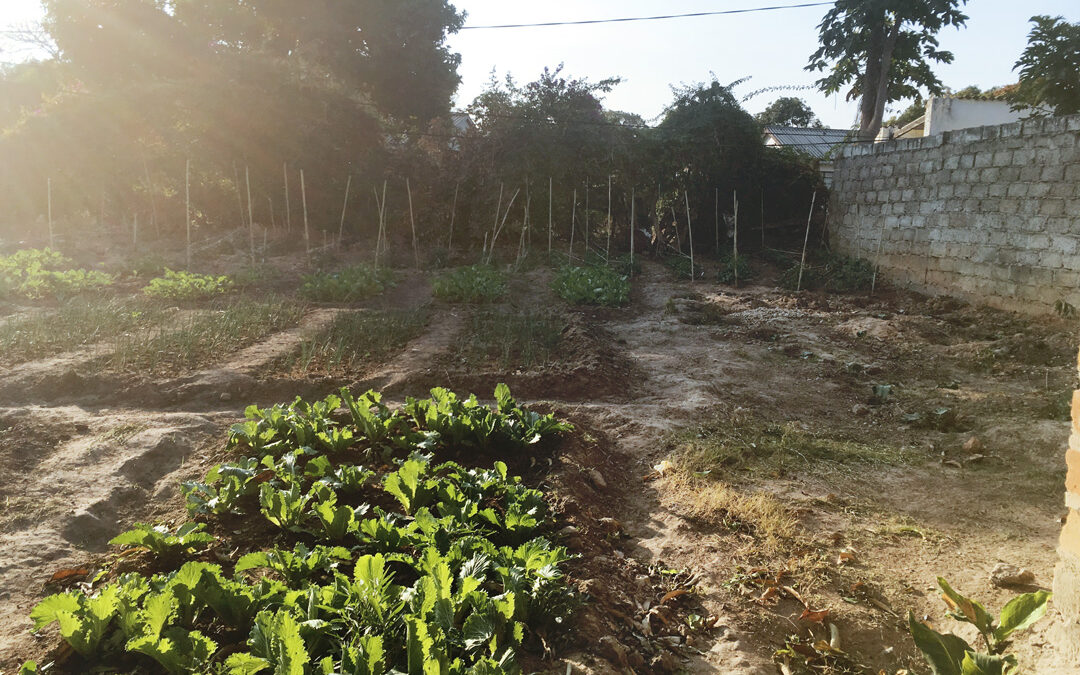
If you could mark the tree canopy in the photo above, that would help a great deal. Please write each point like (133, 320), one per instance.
(788, 111)
(1050, 67)
(883, 50)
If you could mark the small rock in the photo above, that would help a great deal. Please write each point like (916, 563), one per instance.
(1010, 575)
(665, 662)
(860, 410)
(611, 526)
(225, 396)
(614, 651)
(973, 445)
(568, 531)
(597, 479)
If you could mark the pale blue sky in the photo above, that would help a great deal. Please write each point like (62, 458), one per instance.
(772, 47)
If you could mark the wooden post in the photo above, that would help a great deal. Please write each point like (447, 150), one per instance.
(344, 208)
(763, 219)
(610, 223)
(495, 227)
(735, 245)
(187, 209)
(806, 239)
(877, 258)
(52, 235)
(251, 216)
(499, 229)
(573, 226)
(307, 228)
(412, 223)
(551, 218)
(717, 249)
(288, 210)
(633, 212)
(453, 216)
(588, 242)
(690, 234)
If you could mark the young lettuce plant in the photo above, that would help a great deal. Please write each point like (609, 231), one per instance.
(158, 540)
(949, 654)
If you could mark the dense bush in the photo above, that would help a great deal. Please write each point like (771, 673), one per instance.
(834, 273)
(473, 284)
(592, 285)
(726, 274)
(348, 285)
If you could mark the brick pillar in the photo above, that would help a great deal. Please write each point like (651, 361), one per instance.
(1067, 574)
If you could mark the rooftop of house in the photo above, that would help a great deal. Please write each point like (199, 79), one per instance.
(815, 142)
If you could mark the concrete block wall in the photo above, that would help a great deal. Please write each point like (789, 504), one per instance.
(991, 214)
(1066, 601)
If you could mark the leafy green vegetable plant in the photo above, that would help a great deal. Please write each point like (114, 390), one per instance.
(348, 285)
(948, 654)
(185, 285)
(157, 539)
(730, 265)
(473, 284)
(593, 285)
(36, 274)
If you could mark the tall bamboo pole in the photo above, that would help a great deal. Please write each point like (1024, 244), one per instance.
(735, 245)
(551, 219)
(187, 208)
(633, 212)
(412, 223)
(453, 217)
(288, 209)
(588, 241)
(344, 208)
(307, 227)
(573, 225)
(806, 240)
(251, 216)
(499, 229)
(52, 235)
(495, 227)
(690, 234)
(610, 223)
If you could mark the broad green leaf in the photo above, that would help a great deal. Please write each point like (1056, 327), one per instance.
(983, 664)
(243, 663)
(1021, 612)
(50, 608)
(944, 653)
(967, 609)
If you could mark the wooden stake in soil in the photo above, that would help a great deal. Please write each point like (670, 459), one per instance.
(632, 227)
(499, 229)
(573, 225)
(412, 223)
(288, 210)
(551, 220)
(806, 239)
(187, 209)
(735, 245)
(52, 235)
(610, 224)
(453, 216)
(690, 235)
(717, 249)
(495, 227)
(588, 240)
(344, 208)
(380, 244)
(307, 228)
(877, 258)
(251, 217)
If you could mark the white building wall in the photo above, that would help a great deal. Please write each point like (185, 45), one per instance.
(949, 114)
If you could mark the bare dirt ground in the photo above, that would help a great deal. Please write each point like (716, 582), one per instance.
(871, 532)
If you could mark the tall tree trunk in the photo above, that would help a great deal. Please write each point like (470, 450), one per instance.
(876, 81)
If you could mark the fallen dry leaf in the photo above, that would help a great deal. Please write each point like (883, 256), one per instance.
(845, 557)
(69, 575)
(814, 617)
(672, 595)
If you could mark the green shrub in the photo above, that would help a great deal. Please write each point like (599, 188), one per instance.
(680, 265)
(348, 285)
(592, 285)
(473, 284)
(834, 273)
(187, 286)
(730, 265)
(35, 274)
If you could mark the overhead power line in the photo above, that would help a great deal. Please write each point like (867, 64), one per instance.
(662, 17)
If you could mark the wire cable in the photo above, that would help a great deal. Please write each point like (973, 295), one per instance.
(662, 17)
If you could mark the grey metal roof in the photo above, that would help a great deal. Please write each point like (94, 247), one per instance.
(814, 142)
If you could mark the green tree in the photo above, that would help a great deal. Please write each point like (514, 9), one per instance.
(1050, 68)
(884, 50)
(788, 111)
